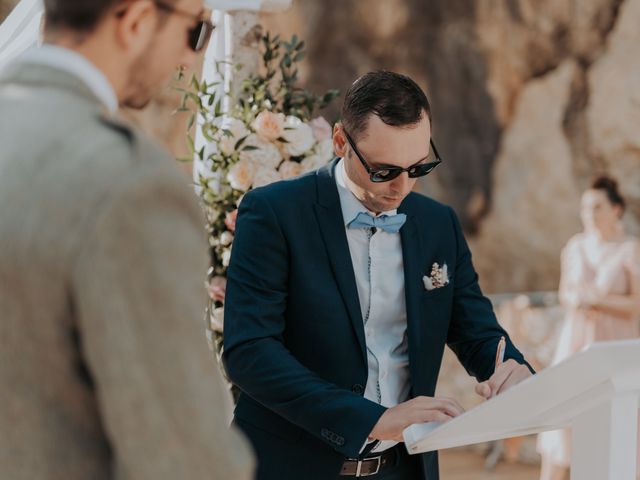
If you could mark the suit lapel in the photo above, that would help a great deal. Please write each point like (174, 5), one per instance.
(412, 255)
(329, 214)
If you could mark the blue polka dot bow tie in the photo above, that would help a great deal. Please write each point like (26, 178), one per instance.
(388, 223)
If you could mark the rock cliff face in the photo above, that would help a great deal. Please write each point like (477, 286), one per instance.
(531, 98)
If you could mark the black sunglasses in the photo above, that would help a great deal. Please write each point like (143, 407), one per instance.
(379, 175)
(200, 34)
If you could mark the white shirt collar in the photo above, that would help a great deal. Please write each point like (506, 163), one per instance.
(351, 206)
(77, 65)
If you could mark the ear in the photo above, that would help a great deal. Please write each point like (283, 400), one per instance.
(136, 26)
(339, 140)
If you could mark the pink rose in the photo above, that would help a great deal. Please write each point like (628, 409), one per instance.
(217, 288)
(268, 125)
(230, 220)
(240, 176)
(321, 129)
(290, 169)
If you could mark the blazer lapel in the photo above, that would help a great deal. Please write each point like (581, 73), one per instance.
(329, 214)
(412, 254)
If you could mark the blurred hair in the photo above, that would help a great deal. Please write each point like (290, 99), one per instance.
(394, 98)
(81, 16)
(610, 187)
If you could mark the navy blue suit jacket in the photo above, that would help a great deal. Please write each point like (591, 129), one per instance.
(294, 336)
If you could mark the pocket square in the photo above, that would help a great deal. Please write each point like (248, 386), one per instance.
(439, 277)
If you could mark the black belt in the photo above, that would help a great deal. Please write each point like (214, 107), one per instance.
(370, 465)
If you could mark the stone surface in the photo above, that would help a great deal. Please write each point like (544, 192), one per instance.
(613, 110)
(534, 208)
(531, 99)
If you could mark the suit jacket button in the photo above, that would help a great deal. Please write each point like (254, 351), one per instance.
(357, 388)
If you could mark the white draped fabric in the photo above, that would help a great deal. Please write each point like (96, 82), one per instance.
(20, 30)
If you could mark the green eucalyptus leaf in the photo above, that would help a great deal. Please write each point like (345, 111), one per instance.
(191, 145)
(239, 142)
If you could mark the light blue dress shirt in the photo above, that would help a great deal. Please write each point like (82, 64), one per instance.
(379, 272)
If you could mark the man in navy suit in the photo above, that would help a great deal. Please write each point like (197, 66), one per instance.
(343, 290)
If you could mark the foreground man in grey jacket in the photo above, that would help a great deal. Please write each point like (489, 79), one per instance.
(104, 368)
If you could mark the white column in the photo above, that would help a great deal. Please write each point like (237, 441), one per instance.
(238, 36)
(236, 41)
(604, 440)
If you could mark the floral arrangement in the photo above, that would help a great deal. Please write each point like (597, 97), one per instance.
(269, 133)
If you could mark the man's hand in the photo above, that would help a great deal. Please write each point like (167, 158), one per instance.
(417, 410)
(506, 375)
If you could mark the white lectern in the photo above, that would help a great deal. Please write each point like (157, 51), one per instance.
(595, 392)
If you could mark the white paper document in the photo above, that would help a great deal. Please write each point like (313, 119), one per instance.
(546, 401)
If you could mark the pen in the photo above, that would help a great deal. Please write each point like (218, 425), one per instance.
(502, 345)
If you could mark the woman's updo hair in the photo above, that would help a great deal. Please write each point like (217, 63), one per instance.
(609, 186)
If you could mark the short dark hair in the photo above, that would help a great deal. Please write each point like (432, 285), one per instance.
(609, 186)
(81, 16)
(394, 98)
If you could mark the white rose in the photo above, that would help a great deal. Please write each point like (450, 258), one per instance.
(290, 169)
(283, 151)
(321, 128)
(241, 175)
(265, 155)
(265, 176)
(325, 149)
(226, 257)
(217, 319)
(313, 162)
(299, 137)
(269, 126)
(227, 144)
(210, 149)
(238, 130)
(204, 171)
(226, 238)
(236, 126)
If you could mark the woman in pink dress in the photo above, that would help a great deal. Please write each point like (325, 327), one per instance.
(600, 290)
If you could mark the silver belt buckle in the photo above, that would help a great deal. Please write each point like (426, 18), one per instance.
(360, 462)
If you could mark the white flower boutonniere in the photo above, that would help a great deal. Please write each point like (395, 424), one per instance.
(439, 277)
